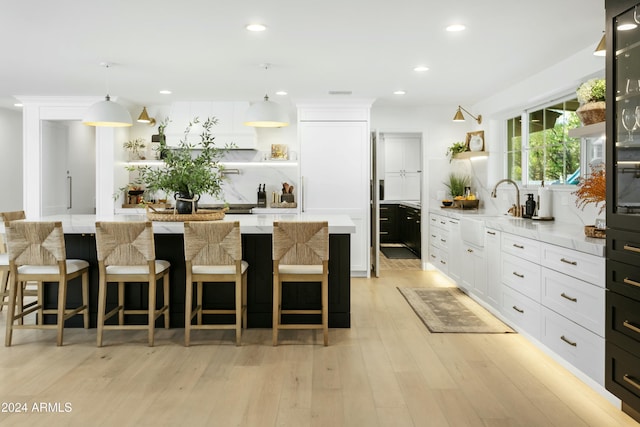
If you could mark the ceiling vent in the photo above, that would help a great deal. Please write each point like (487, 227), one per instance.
(340, 92)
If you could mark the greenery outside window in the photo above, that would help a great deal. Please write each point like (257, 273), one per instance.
(539, 147)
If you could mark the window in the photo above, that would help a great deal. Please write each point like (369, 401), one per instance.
(539, 147)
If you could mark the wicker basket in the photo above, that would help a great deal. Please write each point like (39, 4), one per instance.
(592, 231)
(592, 112)
(466, 204)
(170, 215)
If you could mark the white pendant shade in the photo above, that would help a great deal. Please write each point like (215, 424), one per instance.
(266, 114)
(107, 113)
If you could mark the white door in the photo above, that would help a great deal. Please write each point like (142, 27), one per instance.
(68, 168)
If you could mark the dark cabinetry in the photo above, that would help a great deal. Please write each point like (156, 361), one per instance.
(400, 224)
(622, 354)
(389, 224)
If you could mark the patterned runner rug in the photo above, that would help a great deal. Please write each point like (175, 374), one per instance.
(451, 310)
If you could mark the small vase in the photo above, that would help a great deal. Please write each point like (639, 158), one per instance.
(186, 203)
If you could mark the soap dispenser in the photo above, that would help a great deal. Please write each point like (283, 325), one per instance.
(529, 207)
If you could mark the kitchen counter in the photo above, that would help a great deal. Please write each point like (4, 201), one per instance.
(410, 203)
(565, 234)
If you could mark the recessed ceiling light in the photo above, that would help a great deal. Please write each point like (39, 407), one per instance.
(281, 93)
(256, 27)
(165, 92)
(399, 92)
(17, 105)
(421, 68)
(456, 27)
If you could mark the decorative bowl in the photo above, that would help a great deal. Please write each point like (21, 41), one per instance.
(447, 202)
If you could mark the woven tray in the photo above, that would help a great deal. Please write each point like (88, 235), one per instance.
(592, 231)
(169, 215)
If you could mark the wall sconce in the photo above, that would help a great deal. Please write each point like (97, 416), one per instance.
(144, 118)
(460, 118)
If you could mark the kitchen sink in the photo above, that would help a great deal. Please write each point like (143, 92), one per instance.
(472, 231)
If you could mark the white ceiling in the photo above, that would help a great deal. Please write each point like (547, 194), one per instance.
(199, 49)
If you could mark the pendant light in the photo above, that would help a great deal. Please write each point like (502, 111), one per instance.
(266, 114)
(107, 113)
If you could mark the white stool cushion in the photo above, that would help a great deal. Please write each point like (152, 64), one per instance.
(73, 265)
(300, 269)
(4, 260)
(161, 266)
(218, 269)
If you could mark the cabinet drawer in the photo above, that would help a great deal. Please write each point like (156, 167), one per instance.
(521, 247)
(574, 299)
(622, 374)
(624, 279)
(623, 321)
(522, 312)
(578, 346)
(521, 275)
(589, 268)
(623, 246)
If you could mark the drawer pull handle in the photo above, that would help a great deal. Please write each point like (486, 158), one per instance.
(493, 233)
(433, 256)
(566, 261)
(470, 251)
(631, 282)
(518, 275)
(518, 246)
(517, 309)
(384, 219)
(631, 248)
(433, 235)
(384, 232)
(443, 240)
(631, 326)
(631, 381)
(442, 262)
(563, 295)
(443, 222)
(571, 343)
(453, 222)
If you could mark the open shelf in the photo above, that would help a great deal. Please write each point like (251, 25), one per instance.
(471, 154)
(595, 129)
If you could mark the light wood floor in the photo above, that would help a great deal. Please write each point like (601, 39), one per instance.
(387, 370)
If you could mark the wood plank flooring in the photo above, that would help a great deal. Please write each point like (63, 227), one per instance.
(387, 370)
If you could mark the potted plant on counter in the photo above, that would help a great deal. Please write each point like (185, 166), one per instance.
(591, 96)
(189, 170)
(456, 186)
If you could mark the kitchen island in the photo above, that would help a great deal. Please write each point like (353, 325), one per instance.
(256, 245)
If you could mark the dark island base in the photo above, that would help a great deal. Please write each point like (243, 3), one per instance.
(257, 251)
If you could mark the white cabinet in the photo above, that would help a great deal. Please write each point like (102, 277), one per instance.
(402, 159)
(474, 270)
(494, 263)
(229, 130)
(439, 242)
(455, 250)
(522, 312)
(334, 169)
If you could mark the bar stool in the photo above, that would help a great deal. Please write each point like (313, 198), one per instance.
(37, 253)
(300, 254)
(213, 253)
(4, 270)
(126, 253)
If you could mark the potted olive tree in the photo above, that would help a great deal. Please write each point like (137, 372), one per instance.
(189, 170)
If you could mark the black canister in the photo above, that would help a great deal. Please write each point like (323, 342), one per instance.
(529, 207)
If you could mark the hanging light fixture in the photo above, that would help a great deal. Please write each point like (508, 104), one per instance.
(460, 118)
(601, 49)
(266, 114)
(107, 113)
(144, 117)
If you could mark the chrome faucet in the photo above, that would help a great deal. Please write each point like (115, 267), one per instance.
(515, 210)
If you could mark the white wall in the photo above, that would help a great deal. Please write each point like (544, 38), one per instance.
(11, 155)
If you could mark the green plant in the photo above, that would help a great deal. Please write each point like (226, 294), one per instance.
(593, 90)
(455, 148)
(457, 183)
(183, 172)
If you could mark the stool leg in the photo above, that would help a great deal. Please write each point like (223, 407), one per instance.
(244, 300)
(325, 310)
(165, 288)
(85, 298)
(188, 307)
(40, 292)
(152, 310)
(62, 298)
(238, 309)
(276, 307)
(121, 303)
(11, 309)
(199, 302)
(102, 305)
(5, 284)
(20, 301)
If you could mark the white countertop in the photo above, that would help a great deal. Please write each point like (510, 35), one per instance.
(565, 234)
(410, 203)
(249, 224)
